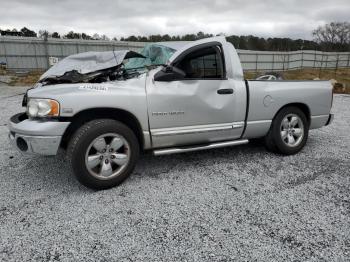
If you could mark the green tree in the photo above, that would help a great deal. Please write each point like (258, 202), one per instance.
(27, 32)
(43, 34)
(131, 38)
(55, 35)
(333, 36)
(73, 35)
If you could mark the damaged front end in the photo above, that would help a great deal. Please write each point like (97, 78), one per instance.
(89, 67)
(98, 67)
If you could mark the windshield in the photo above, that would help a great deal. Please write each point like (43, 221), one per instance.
(155, 54)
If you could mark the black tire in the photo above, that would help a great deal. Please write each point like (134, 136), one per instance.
(274, 141)
(81, 142)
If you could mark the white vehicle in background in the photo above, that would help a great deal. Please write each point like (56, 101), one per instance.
(270, 77)
(175, 97)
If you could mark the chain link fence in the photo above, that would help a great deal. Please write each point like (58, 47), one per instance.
(28, 54)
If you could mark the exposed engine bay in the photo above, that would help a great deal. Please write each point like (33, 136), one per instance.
(91, 67)
(110, 74)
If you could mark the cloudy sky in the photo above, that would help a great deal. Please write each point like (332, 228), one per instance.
(267, 18)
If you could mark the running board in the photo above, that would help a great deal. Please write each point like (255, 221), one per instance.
(175, 150)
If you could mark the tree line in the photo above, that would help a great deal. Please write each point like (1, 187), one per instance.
(334, 36)
(25, 32)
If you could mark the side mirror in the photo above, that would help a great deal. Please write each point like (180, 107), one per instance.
(169, 73)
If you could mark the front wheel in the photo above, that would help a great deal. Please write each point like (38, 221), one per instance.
(289, 131)
(103, 153)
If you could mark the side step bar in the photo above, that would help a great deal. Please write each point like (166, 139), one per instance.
(174, 150)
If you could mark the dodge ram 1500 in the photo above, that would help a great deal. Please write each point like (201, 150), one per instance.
(105, 108)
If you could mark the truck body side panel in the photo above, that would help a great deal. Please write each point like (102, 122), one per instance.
(268, 97)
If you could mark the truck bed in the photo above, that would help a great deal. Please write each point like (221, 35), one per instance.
(266, 98)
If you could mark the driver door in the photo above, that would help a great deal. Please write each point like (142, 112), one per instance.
(200, 108)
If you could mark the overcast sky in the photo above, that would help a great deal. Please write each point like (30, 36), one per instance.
(267, 18)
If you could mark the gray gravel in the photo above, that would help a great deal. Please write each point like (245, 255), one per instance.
(231, 204)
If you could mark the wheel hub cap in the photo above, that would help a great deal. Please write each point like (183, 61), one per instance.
(107, 156)
(292, 130)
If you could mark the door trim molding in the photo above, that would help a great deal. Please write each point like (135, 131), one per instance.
(173, 131)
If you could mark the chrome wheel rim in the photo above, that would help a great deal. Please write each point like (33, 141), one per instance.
(107, 156)
(292, 130)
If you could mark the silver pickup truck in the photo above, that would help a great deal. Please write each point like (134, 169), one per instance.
(104, 108)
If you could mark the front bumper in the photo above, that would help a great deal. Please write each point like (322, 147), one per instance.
(36, 136)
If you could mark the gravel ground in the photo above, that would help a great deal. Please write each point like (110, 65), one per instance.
(232, 204)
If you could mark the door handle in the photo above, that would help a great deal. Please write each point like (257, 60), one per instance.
(225, 91)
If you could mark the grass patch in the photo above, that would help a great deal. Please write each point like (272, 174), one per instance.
(3, 71)
(27, 79)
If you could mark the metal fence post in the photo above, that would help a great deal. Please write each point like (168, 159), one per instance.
(314, 59)
(336, 65)
(319, 72)
(302, 59)
(36, 57)
(46, 51)
(62, 54)
(5, 53)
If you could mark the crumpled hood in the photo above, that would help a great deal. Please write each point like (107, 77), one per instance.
(89, 62)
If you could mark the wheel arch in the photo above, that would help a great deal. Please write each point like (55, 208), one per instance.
(303, 107)
(90, 114)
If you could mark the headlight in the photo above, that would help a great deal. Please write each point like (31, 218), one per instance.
(42, 107)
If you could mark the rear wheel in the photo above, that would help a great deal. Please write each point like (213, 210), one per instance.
(289, 131)
(103, 153)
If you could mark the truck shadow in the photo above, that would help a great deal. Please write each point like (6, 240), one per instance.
(154, 166)
(55, 173)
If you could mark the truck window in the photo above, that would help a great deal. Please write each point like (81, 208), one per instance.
(205, 63)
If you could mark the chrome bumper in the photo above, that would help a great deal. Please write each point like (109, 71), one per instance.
(35, 136)
(43, 145)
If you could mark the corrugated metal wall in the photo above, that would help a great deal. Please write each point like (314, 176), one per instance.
(21, 53)
(280, 61)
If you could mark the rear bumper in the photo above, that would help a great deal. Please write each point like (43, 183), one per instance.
(36, 136)
(330, 119)
(321, 120)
